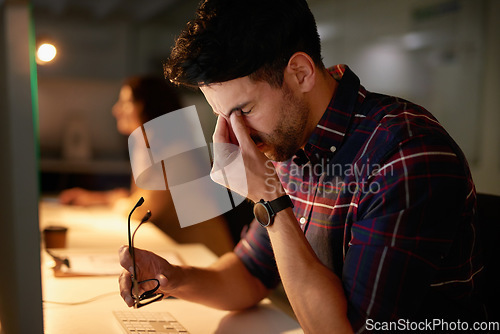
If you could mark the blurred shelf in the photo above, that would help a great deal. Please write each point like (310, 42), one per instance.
(111, 167)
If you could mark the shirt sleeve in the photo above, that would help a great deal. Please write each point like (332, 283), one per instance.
(255, 251)
(411, 231)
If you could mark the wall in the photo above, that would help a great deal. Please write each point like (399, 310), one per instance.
(487, 170)
(83, 81)
(442, 54)
(94, 56)
(89, 101)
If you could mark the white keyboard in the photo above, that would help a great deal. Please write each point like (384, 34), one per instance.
(142, 322)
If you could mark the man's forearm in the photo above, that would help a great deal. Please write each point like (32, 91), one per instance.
(316, 293)
(226, 284)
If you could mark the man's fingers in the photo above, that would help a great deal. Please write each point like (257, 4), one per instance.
(163, 280)
(232, 136)
(221, 134)
(240, 129)
(125, 283)
(125, 259)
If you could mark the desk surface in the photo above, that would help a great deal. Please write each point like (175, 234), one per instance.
(101, 230)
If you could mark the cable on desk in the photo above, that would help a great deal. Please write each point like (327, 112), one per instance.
(83, 301)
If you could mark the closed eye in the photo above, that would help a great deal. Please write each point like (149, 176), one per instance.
(245, 112)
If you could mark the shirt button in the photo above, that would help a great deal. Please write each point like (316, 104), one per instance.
(302, 220)
(333, 149)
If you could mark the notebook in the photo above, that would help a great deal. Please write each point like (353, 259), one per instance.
(143, 322)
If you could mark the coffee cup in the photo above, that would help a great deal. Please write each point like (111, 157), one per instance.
(55, 236)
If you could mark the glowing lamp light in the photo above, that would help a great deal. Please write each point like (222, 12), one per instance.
(46, 53)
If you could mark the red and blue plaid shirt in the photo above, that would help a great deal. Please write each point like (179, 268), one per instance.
(386, 200)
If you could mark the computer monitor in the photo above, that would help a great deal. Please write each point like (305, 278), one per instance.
(20, 288)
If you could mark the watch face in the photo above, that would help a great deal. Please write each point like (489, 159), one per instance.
(261, 214)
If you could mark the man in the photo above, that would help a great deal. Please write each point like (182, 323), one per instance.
(381, 224)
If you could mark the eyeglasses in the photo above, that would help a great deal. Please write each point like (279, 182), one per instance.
(151, 295)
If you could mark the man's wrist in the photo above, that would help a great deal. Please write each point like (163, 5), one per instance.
(274, 189)
(266, 211)
(178, 279)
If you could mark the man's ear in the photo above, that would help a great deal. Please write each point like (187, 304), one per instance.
(301, 72)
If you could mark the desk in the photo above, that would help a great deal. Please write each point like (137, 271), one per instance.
(99, 229)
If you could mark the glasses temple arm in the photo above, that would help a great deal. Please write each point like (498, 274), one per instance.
(131, 239)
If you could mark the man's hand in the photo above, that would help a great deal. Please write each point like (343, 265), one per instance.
(226, 284)
(239, 164)
(148, 265)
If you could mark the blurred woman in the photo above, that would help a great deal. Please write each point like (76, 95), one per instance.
(141, 99)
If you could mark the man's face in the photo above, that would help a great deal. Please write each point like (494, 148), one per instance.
(275, 117)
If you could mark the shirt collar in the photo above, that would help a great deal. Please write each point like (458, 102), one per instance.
(331, 130)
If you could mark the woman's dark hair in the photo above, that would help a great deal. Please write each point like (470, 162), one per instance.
(156, 94)
(229, 39)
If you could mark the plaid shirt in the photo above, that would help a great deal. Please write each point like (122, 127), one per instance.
(386, 200)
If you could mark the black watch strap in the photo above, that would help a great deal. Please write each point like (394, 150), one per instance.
(281, 203)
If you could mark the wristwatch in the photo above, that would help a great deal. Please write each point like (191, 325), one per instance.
(265, 211)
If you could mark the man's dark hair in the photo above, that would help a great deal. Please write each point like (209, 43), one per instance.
(230, 39)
